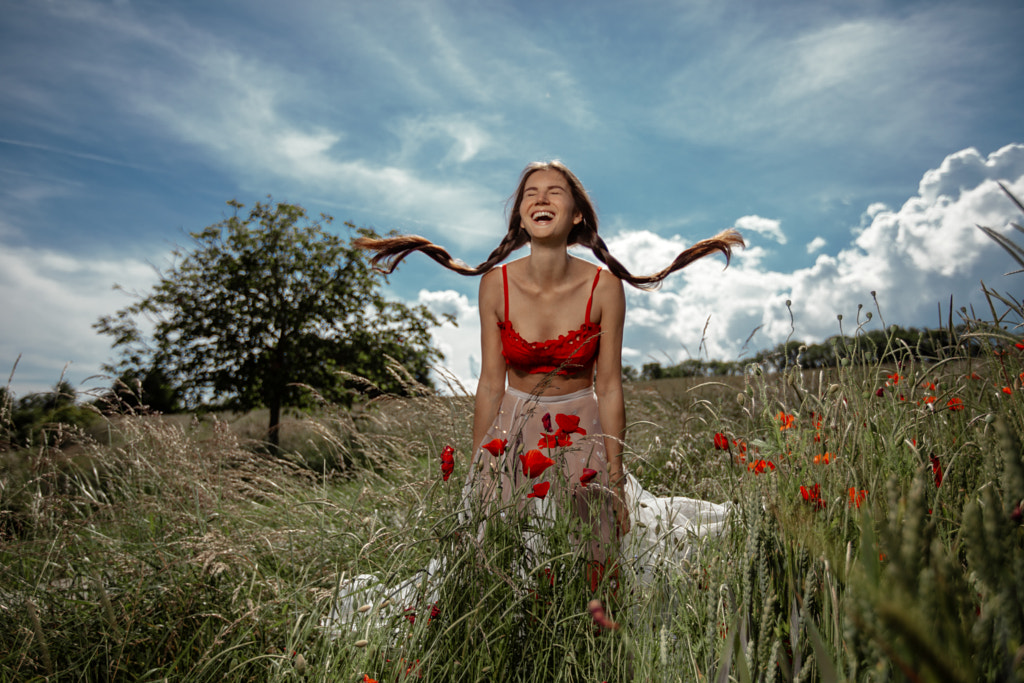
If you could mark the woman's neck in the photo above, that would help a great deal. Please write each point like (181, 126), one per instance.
(548, 265)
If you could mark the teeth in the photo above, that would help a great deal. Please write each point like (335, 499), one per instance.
(541, 215)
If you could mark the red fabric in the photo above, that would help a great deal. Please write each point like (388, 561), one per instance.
(563, 356)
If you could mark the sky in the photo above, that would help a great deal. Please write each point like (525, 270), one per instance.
(856, 145)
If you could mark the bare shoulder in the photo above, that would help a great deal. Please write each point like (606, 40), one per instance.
(490, 296)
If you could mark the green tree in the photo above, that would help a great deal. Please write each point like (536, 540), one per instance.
(266, 301)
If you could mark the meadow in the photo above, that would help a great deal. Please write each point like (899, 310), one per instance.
(875, 535)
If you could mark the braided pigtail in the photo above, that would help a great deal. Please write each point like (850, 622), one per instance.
(722, 242)
(391, 251)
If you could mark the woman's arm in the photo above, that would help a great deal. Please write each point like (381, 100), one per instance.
(491, 386)
(608, 386)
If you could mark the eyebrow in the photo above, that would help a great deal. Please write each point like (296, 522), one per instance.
(552, 187)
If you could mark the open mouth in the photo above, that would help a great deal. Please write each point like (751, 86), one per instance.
(543, 217)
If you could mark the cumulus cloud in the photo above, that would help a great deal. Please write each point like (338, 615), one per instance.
(817, 244)
(913, 258)
(768, 227)
(459, 342)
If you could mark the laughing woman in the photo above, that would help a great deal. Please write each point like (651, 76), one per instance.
(551, 372)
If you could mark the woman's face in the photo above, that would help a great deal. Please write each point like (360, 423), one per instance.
(547, 210)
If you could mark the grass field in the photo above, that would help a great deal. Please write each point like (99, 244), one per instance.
(875, 536)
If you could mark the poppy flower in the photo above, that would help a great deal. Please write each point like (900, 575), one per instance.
(880, 391)
(540, 490)
(367, 679)
(546, 421)
(1007, 390)
(496, 446)
(928, 386)
(1019, 346)
(447, 462)
(936, 470)
(534, 463)
(813, 496)
(974, 375)
(955, 403)
(741, 445)
(556, 440)
(761, 466)
(785, 420)
(823, 458)
(857, 497)
(721, 442)
(569, 424)
(928, 400)
(587, 476)
(894, 378)
(600, 616)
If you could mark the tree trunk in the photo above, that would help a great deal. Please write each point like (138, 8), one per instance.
(274, 430)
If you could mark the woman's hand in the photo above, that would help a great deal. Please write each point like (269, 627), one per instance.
(621, 509)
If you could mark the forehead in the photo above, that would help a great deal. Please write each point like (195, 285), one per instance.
(545, 179)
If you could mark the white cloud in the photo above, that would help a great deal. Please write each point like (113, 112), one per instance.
(459, 343)
(52, 299)
(912, 258)
(817, 244)
(765, 226)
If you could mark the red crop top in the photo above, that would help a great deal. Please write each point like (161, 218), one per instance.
(570, 352)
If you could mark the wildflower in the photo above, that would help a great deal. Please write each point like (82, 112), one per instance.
(760, 466)
(936, 470)
(740, 445)
(496, 446)
(587, 476)
(880, 391)
(546, 421)
(857, 497)
(569, 424)
(540, 490)
(929, 400)
(599, 615)
(974, 375)
(894, 379)
(785, 420)
(721, 442)
(823, 458)
(447, 462)
(534, 463)
(813, 496)
(816, 420)
(955, 403)
(1007, 390)
(367, 679)
(928, 386)
(556, 440)
(1020, 347)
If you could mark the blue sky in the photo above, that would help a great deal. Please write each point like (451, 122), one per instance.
(855, 144)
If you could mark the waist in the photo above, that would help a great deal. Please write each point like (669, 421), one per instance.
(550, 398)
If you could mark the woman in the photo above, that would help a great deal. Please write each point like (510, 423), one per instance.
(572, 379)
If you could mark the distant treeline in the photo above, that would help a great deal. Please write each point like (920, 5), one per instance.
(895, 344)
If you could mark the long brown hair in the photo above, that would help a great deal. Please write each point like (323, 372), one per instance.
(391, 250)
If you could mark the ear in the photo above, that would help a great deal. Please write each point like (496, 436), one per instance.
(577, 217)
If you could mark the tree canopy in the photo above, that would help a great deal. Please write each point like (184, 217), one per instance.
(263, 302)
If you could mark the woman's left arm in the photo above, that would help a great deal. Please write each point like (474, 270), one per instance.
(608, 386)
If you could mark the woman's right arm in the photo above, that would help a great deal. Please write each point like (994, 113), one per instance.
(490, 387)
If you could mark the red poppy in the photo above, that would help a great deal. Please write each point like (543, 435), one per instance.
(880, 391)
(974, 375)
(936, 470)
(857, 497)
(1007, 390)
(496, 446)
(447, 462)
(587, 476)
(894, 378)
(721, 442)
(556, 440)
(534, 463)
(929, 386)
(785, 420)
(546, 421)
(569, 424)
(1019, 346)
(929, 400)
(741, 445)
(955, 403)
(367, 679)
(761, 466)
(823, 458)
(540, 490)
(813, 496)
(600, 616)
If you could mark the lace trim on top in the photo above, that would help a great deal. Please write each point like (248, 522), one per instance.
(569, 352)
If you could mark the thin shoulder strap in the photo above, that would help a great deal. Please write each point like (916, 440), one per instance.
(589, 301)
(504, 277)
